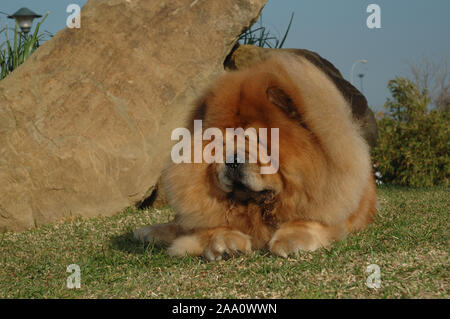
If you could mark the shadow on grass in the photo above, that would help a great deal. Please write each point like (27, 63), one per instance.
(127, 243)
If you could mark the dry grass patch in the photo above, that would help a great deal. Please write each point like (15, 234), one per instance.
(409, 241)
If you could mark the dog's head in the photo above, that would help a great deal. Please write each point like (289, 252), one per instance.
(260, 114)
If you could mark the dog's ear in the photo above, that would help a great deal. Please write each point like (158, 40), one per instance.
(283, 101)
(279, 98)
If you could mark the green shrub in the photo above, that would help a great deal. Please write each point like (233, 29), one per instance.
(414, 142)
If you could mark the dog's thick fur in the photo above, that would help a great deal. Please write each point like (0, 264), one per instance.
(324, 187)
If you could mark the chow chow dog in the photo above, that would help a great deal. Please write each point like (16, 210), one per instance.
(323, 188)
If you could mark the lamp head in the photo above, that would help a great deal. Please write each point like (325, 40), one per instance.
(24, 18)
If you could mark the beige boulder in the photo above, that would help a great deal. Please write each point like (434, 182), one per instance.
(86, 121)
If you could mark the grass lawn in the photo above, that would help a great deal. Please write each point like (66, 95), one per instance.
(409, 241)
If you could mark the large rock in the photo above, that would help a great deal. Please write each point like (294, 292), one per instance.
(86, 121)
(245, 56)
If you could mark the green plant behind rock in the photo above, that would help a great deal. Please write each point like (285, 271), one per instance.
(15, 51)
(261, 36)
(414, 143)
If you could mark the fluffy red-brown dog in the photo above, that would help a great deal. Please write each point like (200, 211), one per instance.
(323, 189)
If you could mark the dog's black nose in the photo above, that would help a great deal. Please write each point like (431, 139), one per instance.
(234, 165)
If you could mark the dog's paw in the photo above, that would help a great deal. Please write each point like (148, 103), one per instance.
(230, 242)
(145, 234)
(291, 241)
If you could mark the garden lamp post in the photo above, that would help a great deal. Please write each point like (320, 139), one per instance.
(363, 61)
(24, 18)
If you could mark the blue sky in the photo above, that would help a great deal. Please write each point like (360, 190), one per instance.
(336, 29)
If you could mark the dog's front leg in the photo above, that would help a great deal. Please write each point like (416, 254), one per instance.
(211, 243)
(295, 236)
